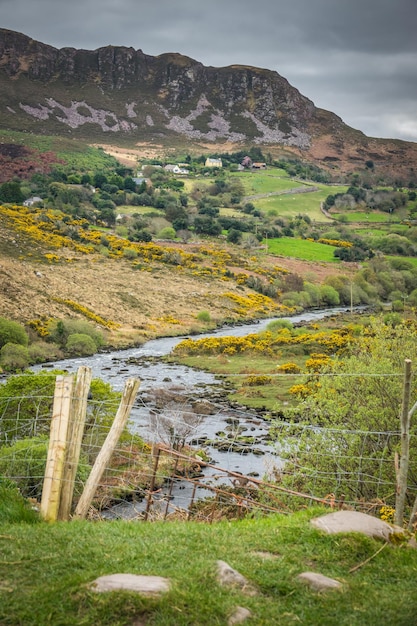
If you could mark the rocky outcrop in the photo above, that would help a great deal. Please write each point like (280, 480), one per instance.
(119, 92)
(170, 93)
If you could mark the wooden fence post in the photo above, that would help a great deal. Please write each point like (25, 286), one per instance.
(405, 447)
(152, 485)
(103, 457)
(75, 435)
(52, 484)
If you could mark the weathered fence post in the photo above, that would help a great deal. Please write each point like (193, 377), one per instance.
(52, 484)
(75, 435)
(152, 485)
(402, 473)
(103, 458)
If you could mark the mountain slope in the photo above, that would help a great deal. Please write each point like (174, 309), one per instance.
(120, 95)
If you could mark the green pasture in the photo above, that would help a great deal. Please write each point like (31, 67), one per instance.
(268, 181)
(129, 209)
(289, 205)
(301, 249)
(78, 155)
(362, 216)
(383, 229)
(230, 212)
(190, 183)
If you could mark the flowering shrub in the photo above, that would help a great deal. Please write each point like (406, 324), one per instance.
(266, 342)
(252, 381)
(317, 362)
(387, 514)
(253, 304)
(302, 391)
(168, 319)
(79, 308)
(40, 326)
(52, 258)
(289, 368)
(338, 243)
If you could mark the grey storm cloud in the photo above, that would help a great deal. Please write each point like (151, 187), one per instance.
(357, 58)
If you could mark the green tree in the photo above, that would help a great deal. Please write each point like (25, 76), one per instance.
(24, 462)
(234, 236)
(167, 233)
(26, 407)
(12, 332)
(206, 225)
(11, 192)
(79, 344)
(60, 330)
(329, 296)
(355, 409)
(14, 357)
(99, 179)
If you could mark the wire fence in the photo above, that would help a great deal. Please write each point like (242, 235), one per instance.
(192, 458)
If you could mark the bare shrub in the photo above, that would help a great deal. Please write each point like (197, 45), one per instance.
(173, 420)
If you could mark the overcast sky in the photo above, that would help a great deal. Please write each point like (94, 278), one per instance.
(356, 58)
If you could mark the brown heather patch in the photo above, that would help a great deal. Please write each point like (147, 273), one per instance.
(315, 272)
(132, 156)
(156, 299)
(144, 303)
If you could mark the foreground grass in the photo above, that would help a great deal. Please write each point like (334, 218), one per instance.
(45, 571)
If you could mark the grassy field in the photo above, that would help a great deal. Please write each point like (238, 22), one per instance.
(381, 229)
(288, 205)
(301, 249)
(362, 216)
(266, 181)
(46, 569)
(128, 209)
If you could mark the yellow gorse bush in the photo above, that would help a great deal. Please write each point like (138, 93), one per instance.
(266, 342)
(289, 368)
(79, 308)
(254, 380)
(40, 326)
(338, 243)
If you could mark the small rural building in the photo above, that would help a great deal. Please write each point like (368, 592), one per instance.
(175, 169)
(259, 166)
(32, 200)
(213, 162)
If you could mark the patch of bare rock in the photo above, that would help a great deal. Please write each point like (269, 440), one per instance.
(144, 585)
(354, 521)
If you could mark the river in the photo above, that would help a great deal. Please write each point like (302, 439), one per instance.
(146, 363)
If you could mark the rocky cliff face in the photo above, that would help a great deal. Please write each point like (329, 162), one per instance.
(118, 93)
(170, 93)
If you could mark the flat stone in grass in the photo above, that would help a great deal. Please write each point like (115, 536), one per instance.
(353, 521)
(318, 581)
(229, 577)
(239, 616)
(144, 585)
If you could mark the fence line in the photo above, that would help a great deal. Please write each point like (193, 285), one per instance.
(154, 480)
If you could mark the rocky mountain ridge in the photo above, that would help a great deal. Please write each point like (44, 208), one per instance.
(119, 94)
